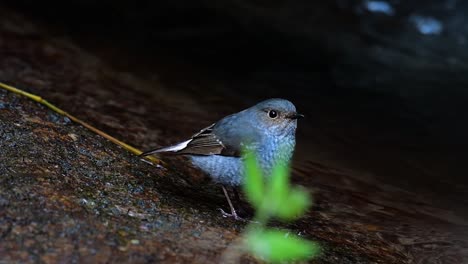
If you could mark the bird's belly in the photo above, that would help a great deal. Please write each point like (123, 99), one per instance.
(230, 170)
(222, 169)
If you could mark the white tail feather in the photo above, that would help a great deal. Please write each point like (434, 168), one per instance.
(175, 148)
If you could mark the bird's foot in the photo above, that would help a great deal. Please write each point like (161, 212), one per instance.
(233, 214)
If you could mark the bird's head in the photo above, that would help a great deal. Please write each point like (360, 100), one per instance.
(276, 116)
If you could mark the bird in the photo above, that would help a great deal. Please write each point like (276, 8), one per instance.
(267, 129)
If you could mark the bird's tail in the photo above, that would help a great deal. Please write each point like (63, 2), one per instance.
(173, 148)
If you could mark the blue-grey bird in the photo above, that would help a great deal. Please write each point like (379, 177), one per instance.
(267, 129)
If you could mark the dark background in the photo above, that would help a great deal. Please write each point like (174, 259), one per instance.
(339, 49)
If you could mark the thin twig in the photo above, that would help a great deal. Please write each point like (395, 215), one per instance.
(59, 111)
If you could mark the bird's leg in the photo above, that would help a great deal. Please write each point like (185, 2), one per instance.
(233, 213)
(238, 202)
(242, 208)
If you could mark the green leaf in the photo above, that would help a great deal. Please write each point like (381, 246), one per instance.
(253, 185)
(279, 184)
(283, 202)
(294, 206)
(276, 246)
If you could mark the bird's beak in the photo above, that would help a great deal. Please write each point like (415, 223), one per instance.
(296, 116)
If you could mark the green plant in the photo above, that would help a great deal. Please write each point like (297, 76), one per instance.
(275, 198)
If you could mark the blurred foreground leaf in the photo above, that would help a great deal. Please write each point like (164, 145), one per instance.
(277, 246)
(278, 185)
(294, 206)
(275, 199)
(254, 186)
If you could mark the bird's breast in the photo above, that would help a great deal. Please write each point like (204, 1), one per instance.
(275, 150)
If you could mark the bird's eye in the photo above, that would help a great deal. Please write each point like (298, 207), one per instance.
(272, 114)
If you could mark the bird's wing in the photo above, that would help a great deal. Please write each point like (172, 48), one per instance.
(205, 142)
